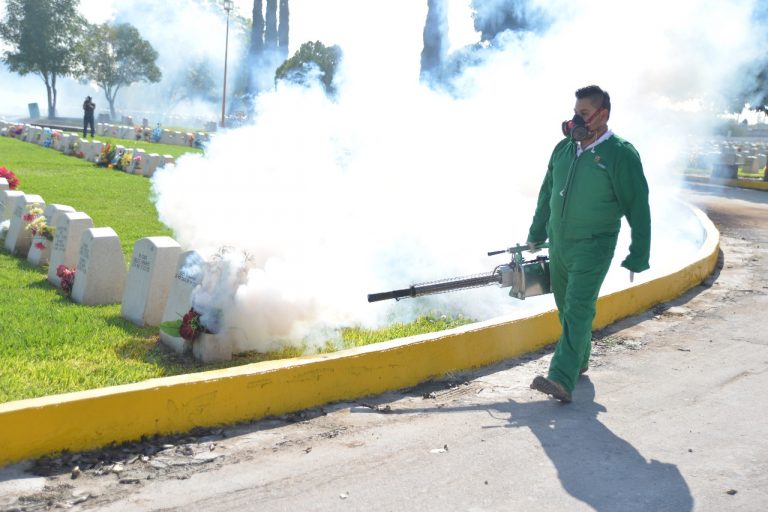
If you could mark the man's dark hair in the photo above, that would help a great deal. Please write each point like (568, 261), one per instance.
(598, 97)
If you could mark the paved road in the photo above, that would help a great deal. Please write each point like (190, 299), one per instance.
(670, 417)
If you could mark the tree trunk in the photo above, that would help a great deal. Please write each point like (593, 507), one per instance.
(282, 30)
(52, 111)
(49, 91)
(435, 39)
(257, 32)
(270, 33)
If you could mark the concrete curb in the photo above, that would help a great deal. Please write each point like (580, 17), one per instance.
(742, 183)
(90, 419)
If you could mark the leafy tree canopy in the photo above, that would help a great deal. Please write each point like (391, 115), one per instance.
(313, 59)
(116, 56)
(492, 17)
(42, 36)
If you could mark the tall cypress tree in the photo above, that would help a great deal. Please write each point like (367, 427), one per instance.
(270, 33)
(257, 31)
(435, 39)
(282, 30)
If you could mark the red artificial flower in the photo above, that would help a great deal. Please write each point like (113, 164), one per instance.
(67, 276)
(40, 245)
(13, 181)
(191, 326)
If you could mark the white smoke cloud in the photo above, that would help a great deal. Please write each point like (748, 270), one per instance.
(393, 183)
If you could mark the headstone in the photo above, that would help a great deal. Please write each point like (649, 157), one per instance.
(168, 159)
(100, 275)
(66, 242)
(189, 274)
(153, 162)
(8, 200)
(212, 348)
(153, 264)
(750, 164)
(4, 184)
(100, 129)
(85, 149)
(19, 238)
(138, 160)
(96, 146)
(762, 160)
(63, 143)
(145, 123)
(40, 250)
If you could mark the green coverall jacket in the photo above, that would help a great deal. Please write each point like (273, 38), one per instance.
(579, 210)
(587, 196)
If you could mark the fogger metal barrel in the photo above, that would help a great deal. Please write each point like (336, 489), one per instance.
(525, 278)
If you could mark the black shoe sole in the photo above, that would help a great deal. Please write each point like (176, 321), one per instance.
(549, 387)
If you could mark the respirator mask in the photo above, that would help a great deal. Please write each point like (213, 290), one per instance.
(576, 128)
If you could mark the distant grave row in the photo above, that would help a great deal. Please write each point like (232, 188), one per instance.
(724, 159)
(134, 161)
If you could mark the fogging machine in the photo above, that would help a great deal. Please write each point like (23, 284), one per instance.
(525, 278)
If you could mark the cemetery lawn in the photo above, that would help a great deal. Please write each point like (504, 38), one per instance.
(111, 198)
(50, 345)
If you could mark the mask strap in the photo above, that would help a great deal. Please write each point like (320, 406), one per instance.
(593, 116)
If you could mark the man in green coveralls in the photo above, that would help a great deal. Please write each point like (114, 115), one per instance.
(593, 179)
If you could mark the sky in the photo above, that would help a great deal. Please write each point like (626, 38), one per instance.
(175, 24)
(394, 183)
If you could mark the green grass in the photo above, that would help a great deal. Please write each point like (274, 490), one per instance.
(111, 198)
(50, 345)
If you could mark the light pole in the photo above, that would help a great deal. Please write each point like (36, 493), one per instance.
(228, 4)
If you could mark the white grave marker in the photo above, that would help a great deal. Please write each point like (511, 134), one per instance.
(8, 200)
(153, 161)
(212, 348)
(4, 184)
(100, 276)
(189, 274)
(19, 238)
(40, 250)
(66, 242)
(153, 264)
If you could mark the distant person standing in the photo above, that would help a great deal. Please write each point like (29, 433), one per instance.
(88, 108)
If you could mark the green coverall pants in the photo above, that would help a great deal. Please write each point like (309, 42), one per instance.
(577, 270)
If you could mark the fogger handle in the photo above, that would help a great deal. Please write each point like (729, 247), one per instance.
(518, 248)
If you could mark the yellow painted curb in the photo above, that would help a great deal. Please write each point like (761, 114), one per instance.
(742, 183)
(90, 419)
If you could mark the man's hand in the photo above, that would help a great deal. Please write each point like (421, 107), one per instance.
(631, 276)
(533, 247)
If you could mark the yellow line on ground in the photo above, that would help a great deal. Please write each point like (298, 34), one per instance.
(90, 419)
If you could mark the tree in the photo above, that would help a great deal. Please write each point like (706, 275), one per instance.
(269, 43)
(116, 56)
(42, 35)
(435, 39)
(312, 60)
(270, 31)
(196, 82)
(492, 17)
(282, 30)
